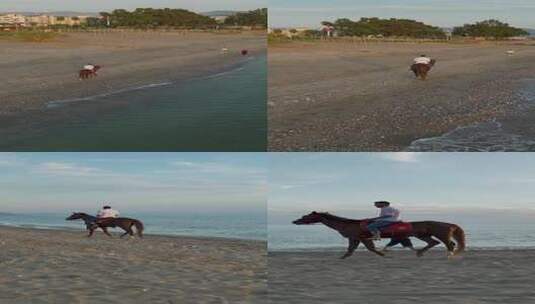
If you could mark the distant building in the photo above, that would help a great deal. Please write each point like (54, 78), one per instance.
(40, 21)
(15, 20)
(68, 21)
(12, 20)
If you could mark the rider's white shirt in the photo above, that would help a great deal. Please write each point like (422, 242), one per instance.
(422, 60)
(102, 213)
(89, 67)
(392, 213)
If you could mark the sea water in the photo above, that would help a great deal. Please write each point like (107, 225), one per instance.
(225, 111)
(250, 226)
(488, 136)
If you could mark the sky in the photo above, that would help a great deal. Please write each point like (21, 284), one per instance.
(133, 182)
(108, 5)
(415, 182)
(444, 13)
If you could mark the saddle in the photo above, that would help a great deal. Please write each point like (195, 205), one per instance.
(107, 221)
(396, 230)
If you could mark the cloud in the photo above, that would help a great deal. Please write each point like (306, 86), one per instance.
(402, 157)
(218, 168)
(68, 169)
(8, 159)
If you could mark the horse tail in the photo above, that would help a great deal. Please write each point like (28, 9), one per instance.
(458, 234)
(139, 227)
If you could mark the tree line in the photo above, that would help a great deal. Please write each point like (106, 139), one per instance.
(258, 18)
(386, 27)
(178, 18)
(149, 17)
(413, 29)
(489, 29)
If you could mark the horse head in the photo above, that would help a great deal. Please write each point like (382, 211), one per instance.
(97, 67)
(311, 218)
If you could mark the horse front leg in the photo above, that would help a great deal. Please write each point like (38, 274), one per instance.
(91, 231)
(371, 247)
(353, 244)
(430, 244)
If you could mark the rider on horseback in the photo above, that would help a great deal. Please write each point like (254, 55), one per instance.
(423, 59)
(106, 214)
(387, 216)
(89, 67)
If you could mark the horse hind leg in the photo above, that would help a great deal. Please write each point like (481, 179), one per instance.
(128, 230)
(131, 231)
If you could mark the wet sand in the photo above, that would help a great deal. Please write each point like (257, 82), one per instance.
(35, 73)
(53, 266)
(345, 96)
(501, 276)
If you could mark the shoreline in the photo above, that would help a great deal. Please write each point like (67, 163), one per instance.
(220, 71)
(356, 98)
(438, 248)
(159, 235)
(132, 59)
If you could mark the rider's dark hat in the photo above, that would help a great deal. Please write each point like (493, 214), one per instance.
(382, 202)
(106, 207)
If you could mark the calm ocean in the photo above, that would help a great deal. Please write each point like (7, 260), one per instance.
(249, 226)
(225, 111)
(496, 230)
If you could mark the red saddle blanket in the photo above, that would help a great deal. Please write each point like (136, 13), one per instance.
(398, 230)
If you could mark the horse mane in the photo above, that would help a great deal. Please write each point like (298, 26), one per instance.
(338, 218)
(85, 214)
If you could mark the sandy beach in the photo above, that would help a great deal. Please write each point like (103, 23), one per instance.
(35, 73)
(55, 266)
(346, 96)
(490, 276)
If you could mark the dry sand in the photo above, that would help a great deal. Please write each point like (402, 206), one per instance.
(34, 73)
(345, 96)
(49, 266)
(478, 277)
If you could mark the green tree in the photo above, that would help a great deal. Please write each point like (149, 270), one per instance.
(386, 27)
(256, 18)
(489, 29)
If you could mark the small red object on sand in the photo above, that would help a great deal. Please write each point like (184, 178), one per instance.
(244, 52)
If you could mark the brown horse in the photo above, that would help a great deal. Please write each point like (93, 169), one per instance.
(92, 223)
(85, 74)
(420, 70)
(427, 231)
